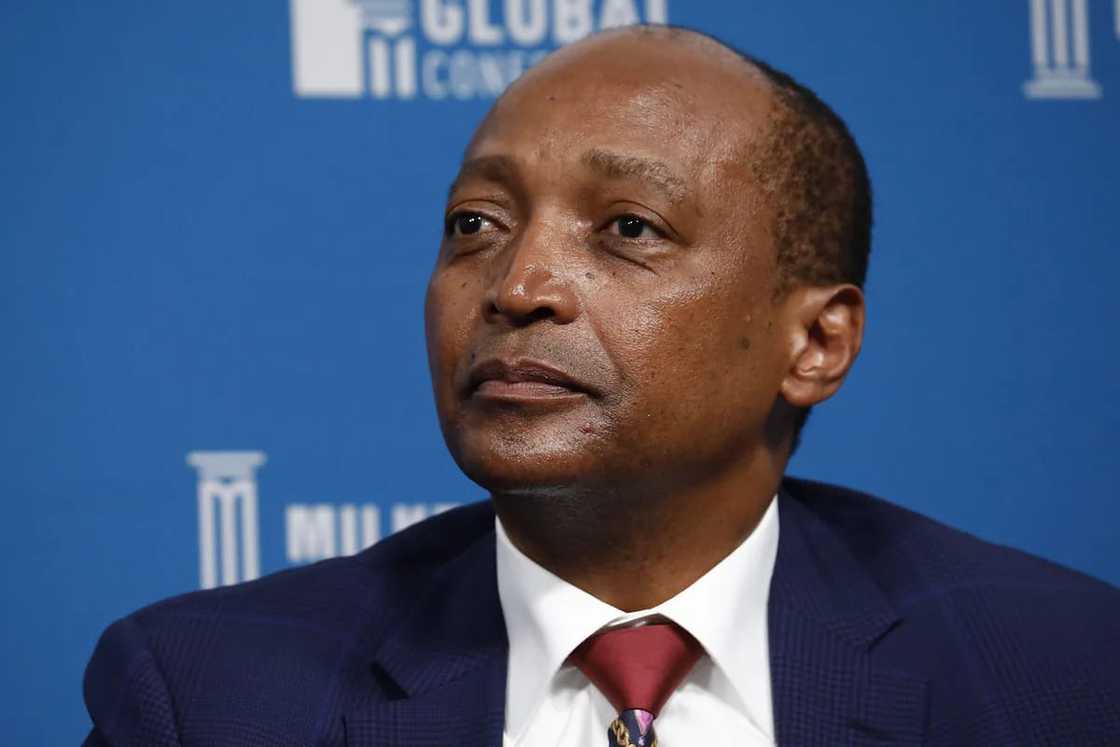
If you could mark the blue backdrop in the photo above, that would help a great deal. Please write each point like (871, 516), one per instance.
(218, 220)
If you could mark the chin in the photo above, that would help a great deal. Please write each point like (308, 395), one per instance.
(509, 450)
(513, 466)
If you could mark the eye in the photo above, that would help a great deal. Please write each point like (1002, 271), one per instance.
(632, 227)
(465, 224)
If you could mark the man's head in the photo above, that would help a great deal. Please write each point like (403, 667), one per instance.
(650, 269)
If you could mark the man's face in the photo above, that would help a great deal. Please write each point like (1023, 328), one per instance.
(601, 311)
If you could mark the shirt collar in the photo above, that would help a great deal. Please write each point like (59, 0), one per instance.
(725, 610)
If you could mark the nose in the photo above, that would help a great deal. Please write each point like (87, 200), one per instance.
(534, 285)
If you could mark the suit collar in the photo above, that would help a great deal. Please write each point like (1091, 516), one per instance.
(447, 656)
(825, 616)
(817, 576)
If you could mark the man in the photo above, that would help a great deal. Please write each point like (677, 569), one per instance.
(651, 270)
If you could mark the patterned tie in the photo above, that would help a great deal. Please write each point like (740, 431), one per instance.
(637, 669)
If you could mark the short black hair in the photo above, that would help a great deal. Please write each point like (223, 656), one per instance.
(823, 230)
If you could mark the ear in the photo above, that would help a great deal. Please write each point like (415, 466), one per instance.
(825, 334)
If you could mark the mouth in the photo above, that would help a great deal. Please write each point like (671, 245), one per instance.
(523, 381)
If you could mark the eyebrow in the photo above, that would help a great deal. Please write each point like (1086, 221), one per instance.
(617, 166)
(607, 163)
(491, 168)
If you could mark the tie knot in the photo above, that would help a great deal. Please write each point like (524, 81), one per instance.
(638, 667)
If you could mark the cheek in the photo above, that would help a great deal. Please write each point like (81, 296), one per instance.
(449, 316)
(699, 354)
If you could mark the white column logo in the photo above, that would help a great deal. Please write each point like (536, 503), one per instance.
(226, 478)
(348, 48)
(1060, 51)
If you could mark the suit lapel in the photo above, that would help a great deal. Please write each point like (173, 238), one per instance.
(448, 659)
(469, 712)
(825, 616)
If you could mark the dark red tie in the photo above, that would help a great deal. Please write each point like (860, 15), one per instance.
(637, 669)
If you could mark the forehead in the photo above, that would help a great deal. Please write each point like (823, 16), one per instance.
(690, 105)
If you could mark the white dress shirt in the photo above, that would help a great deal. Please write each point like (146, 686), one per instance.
(724, 702)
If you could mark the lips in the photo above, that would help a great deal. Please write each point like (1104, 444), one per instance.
(523, 380)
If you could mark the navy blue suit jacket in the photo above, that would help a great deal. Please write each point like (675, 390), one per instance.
(886, 628)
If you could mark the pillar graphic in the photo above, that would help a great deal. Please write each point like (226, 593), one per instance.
(1060, 51)
(387, 62)
(226, 479)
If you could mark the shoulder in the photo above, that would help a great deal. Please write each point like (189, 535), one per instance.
(999, 635)
(282, 636)
(911, 555)
(325, 595)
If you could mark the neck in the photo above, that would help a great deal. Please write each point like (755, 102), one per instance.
(635, 546)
